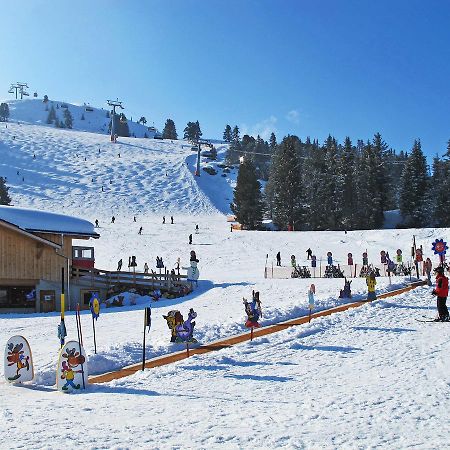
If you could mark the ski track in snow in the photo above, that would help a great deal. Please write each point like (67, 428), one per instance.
(371, 377)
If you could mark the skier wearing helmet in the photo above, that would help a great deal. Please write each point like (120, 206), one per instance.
(441, 292)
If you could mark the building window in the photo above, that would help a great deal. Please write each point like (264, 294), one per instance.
(17, 297)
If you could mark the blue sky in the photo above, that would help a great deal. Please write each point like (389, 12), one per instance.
(310, 68)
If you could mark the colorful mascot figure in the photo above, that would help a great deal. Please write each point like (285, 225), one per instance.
(440, 247)
(18, 360)
(350, 259)
(293, 262)
(253, 311)
(156, 295)
(311, 292)
(181, 330)
(330, 258)
(371, 283)
(71, 372)
(365, 259)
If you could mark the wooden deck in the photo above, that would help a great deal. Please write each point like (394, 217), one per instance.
(98, 278)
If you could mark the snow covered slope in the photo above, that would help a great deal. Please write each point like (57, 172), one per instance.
(84, 173)
(35, 111)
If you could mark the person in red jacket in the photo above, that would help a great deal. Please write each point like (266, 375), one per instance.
(441, 291)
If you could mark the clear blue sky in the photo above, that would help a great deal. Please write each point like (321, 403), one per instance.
(310, 68)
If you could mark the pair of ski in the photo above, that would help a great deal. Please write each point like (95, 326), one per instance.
(428, 319)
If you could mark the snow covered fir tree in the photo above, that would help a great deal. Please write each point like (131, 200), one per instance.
(337, 186)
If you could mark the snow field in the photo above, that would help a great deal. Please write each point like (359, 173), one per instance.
(371, 377)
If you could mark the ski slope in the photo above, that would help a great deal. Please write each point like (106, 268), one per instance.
(372, 377)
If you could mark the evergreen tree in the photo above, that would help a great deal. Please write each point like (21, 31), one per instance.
(332, 200)
(51, 115)
(45, 100)
(192, 131)
(440, 190)
(4, 112)
(272, 141)
(227, 134)
(142, 120)
(285, 185)
(247, 201)
(5, 199)
(414, 186)
(169, 131)
(346, 169)
(68, 119)
(232, 155)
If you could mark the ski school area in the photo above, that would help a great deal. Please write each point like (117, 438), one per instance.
(319, 354)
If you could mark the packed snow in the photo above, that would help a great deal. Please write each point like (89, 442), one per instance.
(371, 377)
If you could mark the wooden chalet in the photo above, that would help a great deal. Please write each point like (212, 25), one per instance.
(35, 251)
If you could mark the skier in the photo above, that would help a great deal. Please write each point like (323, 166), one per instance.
(171, 219)
(140, 231)
(231, 228)
(134, 219)
(308, 253)
(119, 265)
(441, 292)
(96, 223)
(145, 268)
(196, 229)
(164, 219)
(113, 219)
(190, 239)
(278, 259)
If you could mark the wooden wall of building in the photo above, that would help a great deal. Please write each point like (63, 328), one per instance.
(22, 258)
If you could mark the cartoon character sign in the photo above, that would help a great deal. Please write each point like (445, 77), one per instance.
(346, 292)
(181, 330)
(71, 372)
(94, 305)
(311, 292)
(330, 258)
(440, 247)
(365, 259)
(350, 259)
(419, 255)
(253, 311)
(18, 360)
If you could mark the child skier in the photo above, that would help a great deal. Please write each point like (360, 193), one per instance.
(441, 291)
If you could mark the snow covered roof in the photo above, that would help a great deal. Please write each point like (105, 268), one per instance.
(32, 220)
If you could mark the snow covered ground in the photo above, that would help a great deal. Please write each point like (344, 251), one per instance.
(372, 377)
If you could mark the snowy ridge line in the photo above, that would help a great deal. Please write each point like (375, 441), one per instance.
(239, 338)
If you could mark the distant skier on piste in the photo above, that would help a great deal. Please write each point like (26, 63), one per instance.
(441, 292)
